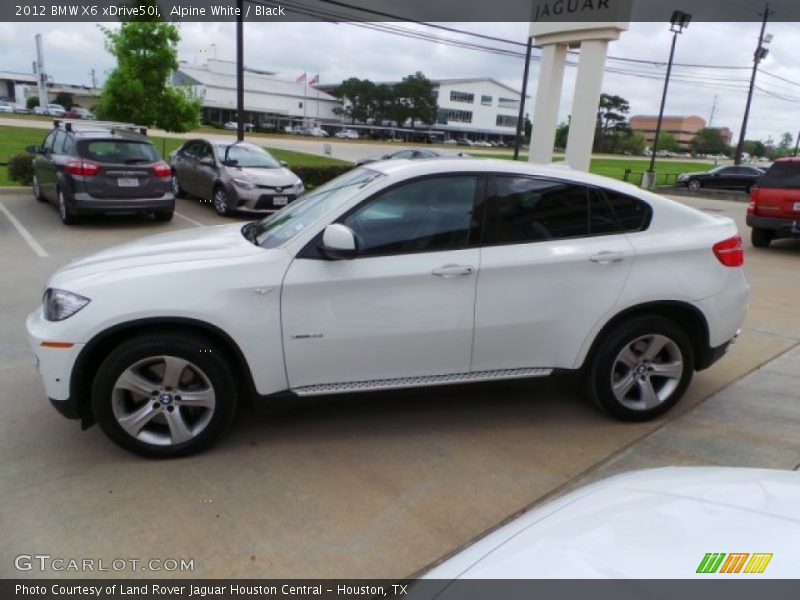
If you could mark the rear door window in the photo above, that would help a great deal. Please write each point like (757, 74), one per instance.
(118, 151)
(782, 175)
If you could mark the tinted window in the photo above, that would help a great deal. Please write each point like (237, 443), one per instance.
(189, 149)
(421, 216)
(69, 146)
(204, 151)
(118, 151)
(47, 145)
(522, 209)
(631, 214)
(782, 175)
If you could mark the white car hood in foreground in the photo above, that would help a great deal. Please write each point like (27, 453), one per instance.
(656, 524)
(195, 244)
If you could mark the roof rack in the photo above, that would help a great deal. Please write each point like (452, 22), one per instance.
(113, 127)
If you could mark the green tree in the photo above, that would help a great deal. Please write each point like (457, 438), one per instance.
(355, 96)
(65, 99)
(416, 92)
(709, 141)
(137, 90)
(632, 143)
(32, 102)
(787, 140)
(755, 148)
(562, 133)
(667, 141)
(611, 122)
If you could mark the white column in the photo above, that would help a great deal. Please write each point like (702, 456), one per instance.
(588, 87)
(548, 98)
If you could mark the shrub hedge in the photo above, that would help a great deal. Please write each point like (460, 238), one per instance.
(20, 169)
(316, 176)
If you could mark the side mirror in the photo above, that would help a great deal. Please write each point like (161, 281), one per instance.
(386, 156)
(232, 162)
(338, 242)
(33, 149)
(209, 162)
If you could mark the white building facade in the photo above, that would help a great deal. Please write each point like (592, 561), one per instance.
(269, 101)
(477, 109)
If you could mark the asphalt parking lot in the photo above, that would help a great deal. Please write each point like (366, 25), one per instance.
(377, 485)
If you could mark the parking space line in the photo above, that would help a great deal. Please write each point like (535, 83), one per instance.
(184, 217)
(26, 235)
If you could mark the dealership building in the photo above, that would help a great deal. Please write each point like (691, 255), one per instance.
(18, 87)
(682, 128)
(478, 108)
(269, 101)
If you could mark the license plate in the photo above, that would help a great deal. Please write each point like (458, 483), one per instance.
(796, 207)
(280, 200)
(128, 182)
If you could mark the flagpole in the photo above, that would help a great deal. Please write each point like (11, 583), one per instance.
(317, 88)
(305, 100)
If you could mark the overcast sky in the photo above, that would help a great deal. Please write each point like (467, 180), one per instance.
(344, 50)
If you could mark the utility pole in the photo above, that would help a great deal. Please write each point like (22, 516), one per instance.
(760, 54)
(713, 112)
(240, 70)
(94, 80)
(797, 145)
(518, 137)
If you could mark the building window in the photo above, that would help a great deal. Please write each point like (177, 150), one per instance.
(462, 97)
(506, 121)
(507, 103)
(486, 100)
(446, 115)
(299, 105)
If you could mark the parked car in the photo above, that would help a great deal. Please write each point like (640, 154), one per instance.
(233, 126)
(78, 112)
(316, 132)
(450, 142)
(92, 169)
(399, 274)
(347, 134)
(669, 523)
(774, 210)
(465, 142)
(6, 107)
(414, 153)
(54, 110)
(482, 144)
(21, 109)
(722, 178)
(235, 176)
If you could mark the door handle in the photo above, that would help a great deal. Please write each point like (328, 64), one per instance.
(450, 271)
(606, 258)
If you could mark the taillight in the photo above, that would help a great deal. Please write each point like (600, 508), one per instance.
(162, 169)
(751, 208)
(84, 168)
(730, 252)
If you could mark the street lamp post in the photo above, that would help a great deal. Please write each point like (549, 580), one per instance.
(680, 21)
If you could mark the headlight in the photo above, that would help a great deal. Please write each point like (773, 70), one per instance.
(298, 184)
(244, 184)
(60, 304)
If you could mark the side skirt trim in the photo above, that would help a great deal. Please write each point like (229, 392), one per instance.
(423, 381)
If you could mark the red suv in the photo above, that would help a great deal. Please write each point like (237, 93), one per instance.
(774, 210)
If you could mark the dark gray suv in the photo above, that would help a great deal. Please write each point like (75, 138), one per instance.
(90, 168)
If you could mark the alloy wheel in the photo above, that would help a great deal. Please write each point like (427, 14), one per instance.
(646, 372)
(220, 201)
(163, 400)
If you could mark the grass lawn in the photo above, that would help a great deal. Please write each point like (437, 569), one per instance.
(14, 140)
(615, 167)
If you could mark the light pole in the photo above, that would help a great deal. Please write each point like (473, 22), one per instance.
(680, 21)
(760, 54)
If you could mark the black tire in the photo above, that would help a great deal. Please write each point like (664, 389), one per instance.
(207, 372)
(64, 211)
(761, 238)
(605, 366)
(694, 185)
(37, 190)
(220, 201)
(163, 215)
(177, 190)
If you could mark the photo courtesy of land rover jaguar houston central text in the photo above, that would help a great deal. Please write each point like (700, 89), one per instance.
(399, 274)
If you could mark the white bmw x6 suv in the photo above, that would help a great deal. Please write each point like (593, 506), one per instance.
(399, 274)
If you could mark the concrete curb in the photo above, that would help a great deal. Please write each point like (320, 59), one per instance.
(9, 190)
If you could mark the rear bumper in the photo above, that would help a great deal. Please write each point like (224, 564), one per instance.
(712, 355)
(82, 203)
(785, 227)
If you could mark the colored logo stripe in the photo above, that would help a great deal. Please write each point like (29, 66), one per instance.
(758, 563)
(713, 562)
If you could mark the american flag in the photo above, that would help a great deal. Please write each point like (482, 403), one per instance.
(314, 80)
(300, 79)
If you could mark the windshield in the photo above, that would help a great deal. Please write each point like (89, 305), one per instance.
(283, 225)
(118, 151)
(248, 156)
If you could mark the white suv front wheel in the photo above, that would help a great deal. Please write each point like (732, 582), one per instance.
(164, 395)
(641, 369)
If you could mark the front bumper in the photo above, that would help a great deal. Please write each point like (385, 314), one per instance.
(54, 364)
(262, 200)
(783, 227)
